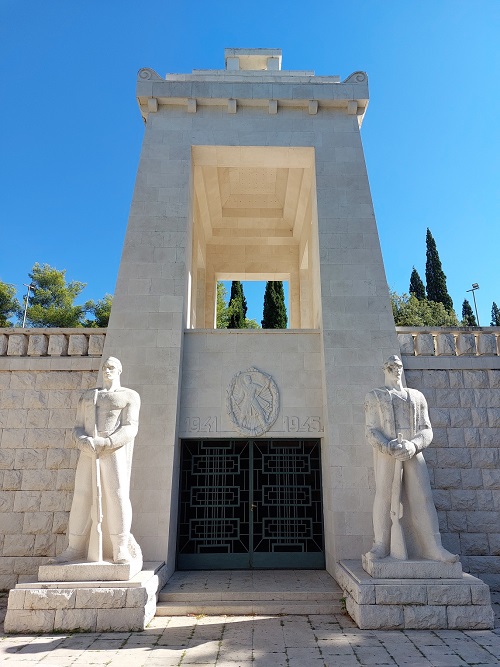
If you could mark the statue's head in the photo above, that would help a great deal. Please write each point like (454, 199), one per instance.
(393, 360)
(393, 367)
(111, 368)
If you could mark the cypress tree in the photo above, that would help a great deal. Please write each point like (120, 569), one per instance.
(274, 314)
(468, 317)
(416, 285)
(434, 275)
(237, 306)
(495, 315)
(222, 316)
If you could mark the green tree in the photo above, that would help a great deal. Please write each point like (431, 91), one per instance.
(100, 310)
(222, 316)
(251, 324)
(495, 315)
(409, 311)
(434, 275)
(237, 308)
(468, 318)
(51, 303)
(416, 285)
(274, 315)
(9, 305)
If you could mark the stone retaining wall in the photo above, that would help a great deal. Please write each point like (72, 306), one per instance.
(42, 375)
(44, 371)
(458, 370)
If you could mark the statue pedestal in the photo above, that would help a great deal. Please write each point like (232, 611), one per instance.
(83, 605)
(410, 601)
(85, 571)
(391, 568)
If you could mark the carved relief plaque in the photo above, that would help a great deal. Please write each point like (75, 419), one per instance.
(252, 401)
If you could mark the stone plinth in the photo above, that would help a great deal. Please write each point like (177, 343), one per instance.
(413, 603)
(84, 571)
(391, 568)
(86, 606)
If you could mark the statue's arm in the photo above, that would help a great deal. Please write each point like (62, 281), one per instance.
(79, 428)
(83, 440)
(374, 435)
(129, 422)
(423, 435)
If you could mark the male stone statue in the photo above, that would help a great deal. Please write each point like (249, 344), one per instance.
(398, 428)
(106, 425)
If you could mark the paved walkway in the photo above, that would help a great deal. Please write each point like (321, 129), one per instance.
(256, 641)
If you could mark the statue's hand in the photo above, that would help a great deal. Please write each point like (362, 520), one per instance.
(100, 442)
(394, 446)
(86, 444)
(406, 451)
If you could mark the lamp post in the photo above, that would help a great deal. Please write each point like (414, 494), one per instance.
(30, 287)
(475, 286)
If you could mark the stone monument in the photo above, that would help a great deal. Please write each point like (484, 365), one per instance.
(102, 551)
(254, 172)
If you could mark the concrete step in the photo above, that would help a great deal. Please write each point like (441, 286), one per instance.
(166, 595)
(250, 592)
(247, 608)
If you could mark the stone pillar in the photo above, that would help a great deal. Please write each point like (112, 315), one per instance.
(148, 319)
(358, 330)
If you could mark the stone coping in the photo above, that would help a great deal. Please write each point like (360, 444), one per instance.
(51, 342)
(464, 342)
(449, 341)
(252, 332)
(436, 330)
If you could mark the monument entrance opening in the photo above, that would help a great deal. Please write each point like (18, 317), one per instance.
(250, 504)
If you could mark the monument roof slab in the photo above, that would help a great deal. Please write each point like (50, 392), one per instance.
(253, 78)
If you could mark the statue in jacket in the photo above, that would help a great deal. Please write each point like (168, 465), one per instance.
(106, 425)
(398, 429)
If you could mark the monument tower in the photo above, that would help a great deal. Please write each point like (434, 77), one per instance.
(251, 451)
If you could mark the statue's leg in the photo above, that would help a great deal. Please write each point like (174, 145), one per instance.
(115, 475)
(384, 473)
(79, 516)
(423, 511)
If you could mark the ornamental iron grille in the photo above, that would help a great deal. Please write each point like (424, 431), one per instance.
(250, 504)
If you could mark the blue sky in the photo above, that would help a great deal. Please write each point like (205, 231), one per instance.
(71, 131)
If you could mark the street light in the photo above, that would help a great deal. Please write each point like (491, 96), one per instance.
(30, 287)
(475, 286)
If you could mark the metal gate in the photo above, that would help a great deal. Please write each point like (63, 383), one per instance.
(250, 504)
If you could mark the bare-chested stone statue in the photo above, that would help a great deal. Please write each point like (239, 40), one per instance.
(398, 429)
(107, 423)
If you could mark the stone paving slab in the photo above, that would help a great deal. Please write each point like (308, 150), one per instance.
(256, 641)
